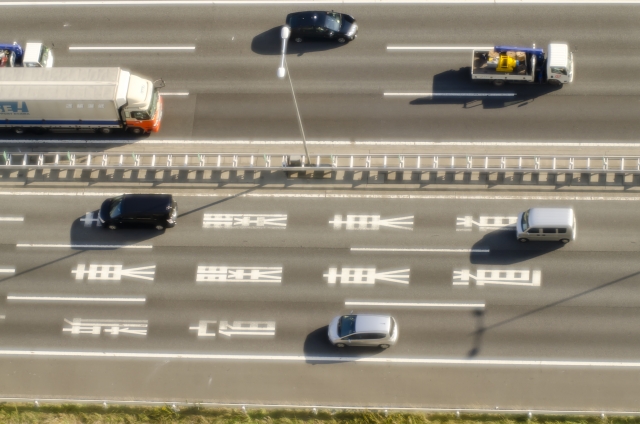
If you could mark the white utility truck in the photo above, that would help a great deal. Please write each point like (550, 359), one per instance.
(34, 55)
(101, 99)
(523, 65)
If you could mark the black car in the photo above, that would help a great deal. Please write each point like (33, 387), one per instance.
(322, 25)
(155, 210)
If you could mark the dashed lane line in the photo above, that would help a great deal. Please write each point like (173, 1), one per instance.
(451, 94)
(88, 246)
(132, 48)
(436, 305)
(11, 219)
(295, 2)
(417, 250)
(80, 299)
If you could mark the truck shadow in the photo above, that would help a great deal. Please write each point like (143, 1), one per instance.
(270, 43)
(455, 87)
(504, 249)
(317, 347)
(83, 232)
(71, 135)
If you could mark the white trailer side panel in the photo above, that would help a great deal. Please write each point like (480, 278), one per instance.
(60, 97)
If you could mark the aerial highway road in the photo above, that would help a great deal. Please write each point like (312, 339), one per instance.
(219, 63)
(232, 304)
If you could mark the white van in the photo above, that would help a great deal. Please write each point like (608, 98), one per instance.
(546, 224)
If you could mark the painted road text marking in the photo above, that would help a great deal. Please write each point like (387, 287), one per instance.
(113, 272)
(366, 276)
(111, 326)
(486, 223)
(229, 220)
(250, 274)
(503, 277)
(371, 222)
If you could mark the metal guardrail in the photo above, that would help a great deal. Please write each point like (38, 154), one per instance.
(344, 162)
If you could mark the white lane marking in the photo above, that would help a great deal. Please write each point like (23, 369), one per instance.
(345, 143)
(486, 223)
(366, 276)
(112, 326)
(7, 270)
(113, 272)
(247, 328)
(132, 48)
(182, 93)
(278, 2)
(324, 195)
(502, 277)
(89, 219)
(11, 219)
(203, 328)
(2, 316)
(76, 299)
(89, 246)
(371, 222)
(417, 304)
(319, 358)
(439, 48)
(375, 249)
(246, 220)
(451, 94)
(248, 274)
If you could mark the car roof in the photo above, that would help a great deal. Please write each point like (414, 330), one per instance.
(551, 217)
(140, 204)
(366, 323)
(303, 18)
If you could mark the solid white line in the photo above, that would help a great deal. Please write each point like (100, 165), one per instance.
(318, 358)
(7, 270)
(76, 299)
(133, 48)
(417, 304)
(11, 219)
(438, 48)
(279, 2)
(452, 94)
(184, 93)
(89, 246)
(375, 249)
(345, 143)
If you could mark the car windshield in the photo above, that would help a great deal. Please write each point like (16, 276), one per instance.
(346, 325)
(525, 221)
(332, 21)
(116, 207)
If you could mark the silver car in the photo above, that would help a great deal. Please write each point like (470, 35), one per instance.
(363, 330)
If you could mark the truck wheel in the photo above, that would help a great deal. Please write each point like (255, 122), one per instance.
(554, 82)
(498, 83)
(298, 39)
(136, 130)
(18, 130)
(105, 130)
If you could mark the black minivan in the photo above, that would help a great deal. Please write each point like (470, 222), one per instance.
(155, 210)
(322, 25)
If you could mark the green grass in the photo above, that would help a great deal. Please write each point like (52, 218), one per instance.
(54, 413)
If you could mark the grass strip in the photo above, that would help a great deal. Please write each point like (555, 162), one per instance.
(95, 414)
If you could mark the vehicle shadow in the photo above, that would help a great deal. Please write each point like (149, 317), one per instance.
(505, 249)
(455, 87)
(317, 348)
(85, 231)
(270, 43)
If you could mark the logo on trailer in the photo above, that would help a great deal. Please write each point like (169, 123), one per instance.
(14, 108)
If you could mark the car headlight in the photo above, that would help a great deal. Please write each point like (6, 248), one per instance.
(353, 30)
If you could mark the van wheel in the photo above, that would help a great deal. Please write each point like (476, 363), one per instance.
(523, 240)
(113, 227)
(342, 40)
(18, 130)
(341, 345)
(298, 39)
(384, 346)
(498, 83)
(105, 130)
(564, 241)
(159, 227)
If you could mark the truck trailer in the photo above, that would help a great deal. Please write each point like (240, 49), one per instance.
(523, 65)
(34, 55)
(101, 99)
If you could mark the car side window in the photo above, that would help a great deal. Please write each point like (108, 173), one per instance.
(549, 230)
(533, 230)
(562, 230)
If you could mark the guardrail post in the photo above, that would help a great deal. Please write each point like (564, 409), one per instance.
(25, 160)
(503, 162)
(57, 158)
(367, 163)
(588, 163)
(219, 160)
(520, 162)
(40, 159)
(334, 161)
(571, 163)
(235, 161)
(469, 162)
(169, 160)
(318, 160)
(605, 163)
(554, 163)
(453, 159)
(186, 160)
(622, 164)
(436, 159)
(203, 159)
(418, 162)
(88, 160)
(351, 162)
(385, 161)
(401, 158)
(537, 161)
(72, 158)
(136, 160)
(153, 161)
(267, 160)
(105, 160)
(486, 162)
(121, 160)
(251, 163)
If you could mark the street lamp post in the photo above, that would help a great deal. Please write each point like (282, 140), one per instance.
(284, 70)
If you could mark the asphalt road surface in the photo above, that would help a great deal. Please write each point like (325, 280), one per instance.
(234, 94)
(232, 304)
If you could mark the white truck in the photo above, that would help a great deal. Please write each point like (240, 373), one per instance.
(34, 55)
(523, 65)
(101, 99)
